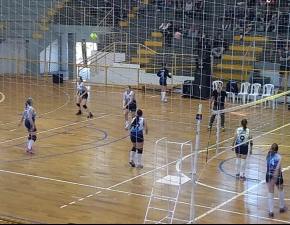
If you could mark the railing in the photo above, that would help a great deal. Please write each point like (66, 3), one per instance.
(87, 15)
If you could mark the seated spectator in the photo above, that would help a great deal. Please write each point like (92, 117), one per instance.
(192, 32)
(169, 3)
(141, 9)
(228, 17)
(198, 8)
(124, 11)
(219, 46)
(163, 27)
(188, 9)
(276, 46)
(244, 27)
(273, 21)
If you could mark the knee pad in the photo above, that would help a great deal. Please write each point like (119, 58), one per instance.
(140, 150)
(29, 137)
(85, 107)
(78, 105)
(33, 137)
(133, 149)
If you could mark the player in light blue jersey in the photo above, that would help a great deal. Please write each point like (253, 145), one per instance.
(274, 178)
(29, 115)
(242, 138)
(136, 135)
(129, 105)
(82, 97)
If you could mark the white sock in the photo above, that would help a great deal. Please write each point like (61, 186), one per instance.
(241, 36)
(271, 201)
(238, 165)
(162, 96)
(243, 166)
(281, 199)
(132, 155)
(139, 157)
(30, 144)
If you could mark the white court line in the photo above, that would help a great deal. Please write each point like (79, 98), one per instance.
(56, 128)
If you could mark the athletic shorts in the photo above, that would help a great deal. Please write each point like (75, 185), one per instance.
(136, 136)
(242, 149)
(85, 96)
(28, 125)
(279, 180)
(132, 107)
(162, 82)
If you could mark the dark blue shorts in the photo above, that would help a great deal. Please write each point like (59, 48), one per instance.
(85, 96)
(28, 125)
(279, 180)
(242, 149)
(132, 107)
(162, 82)
(136, 136)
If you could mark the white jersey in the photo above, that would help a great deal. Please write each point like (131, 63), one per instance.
(80, 87)
(243, 136)
(128, 96)
(27, 113)
(140, 125)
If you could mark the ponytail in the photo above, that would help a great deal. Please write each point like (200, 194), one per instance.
(244, 123)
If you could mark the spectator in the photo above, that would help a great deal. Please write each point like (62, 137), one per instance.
(219, 46)
(193, 31)
(188, 9)
(244, 27)
(198, 7)
(169, 33)
(228, 17)
(163, 27)
(276, 46)
(285, 63)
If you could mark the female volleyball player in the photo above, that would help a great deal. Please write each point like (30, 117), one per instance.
(274, 178)
(136, 135)
(242, 139)
(29, 115)
(163, 74)
(82, 97)
(129, 105)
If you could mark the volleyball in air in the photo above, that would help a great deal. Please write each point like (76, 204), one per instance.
(94, 36)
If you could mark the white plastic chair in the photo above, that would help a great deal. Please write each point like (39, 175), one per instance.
(255, 91)
(268, 90)
(244, 92)
(215, 84)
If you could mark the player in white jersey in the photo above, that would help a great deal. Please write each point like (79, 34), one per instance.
(29, 115)
(274, 178)
(82, 96)
(136, 135)
(129, 105)
(242, 138)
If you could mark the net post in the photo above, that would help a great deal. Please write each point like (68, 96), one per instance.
(218, 123)
(195, 161)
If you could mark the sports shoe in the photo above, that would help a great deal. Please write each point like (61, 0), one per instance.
(127, 126)
(132, 163)
(90, 115)
(79, 112)
(165, 100)
(223, 129)
(270, 214)
(31, 151)
(237, 176)
(242, 178)
(209, 128)
(284, 209)
(139, 166)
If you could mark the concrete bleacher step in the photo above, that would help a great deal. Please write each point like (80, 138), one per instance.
(252, 38)
(238, 58)
(123, 24)
(131, 15)
(230, 76)
(145, 52)
(153, 43)
(242, 48)
(141, 60)
(234, 67)
(156, 34)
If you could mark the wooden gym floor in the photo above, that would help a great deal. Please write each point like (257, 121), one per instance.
(80, 171)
